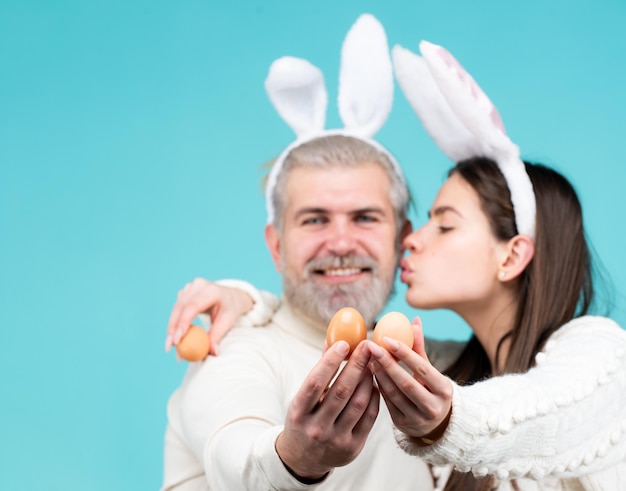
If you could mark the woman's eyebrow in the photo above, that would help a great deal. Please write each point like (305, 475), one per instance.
(440, 210)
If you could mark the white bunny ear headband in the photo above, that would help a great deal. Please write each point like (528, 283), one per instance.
(297, 91)
(462, 120)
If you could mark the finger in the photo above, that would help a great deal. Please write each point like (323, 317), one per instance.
(396, 383)
(422, 369)
(181, 329)
(177, 328)
(343, 388)
(391, 390)
(213, 345)
(388, 385)
(319, 378)
(358, 404)
(414, 409)
(418, 338)
(425, 393)
(394, 411)
(220, 326)
(383, 380)
(171, 325)
(193, 307)
(365, 424)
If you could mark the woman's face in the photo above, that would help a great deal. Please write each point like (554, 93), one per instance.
(453, 260)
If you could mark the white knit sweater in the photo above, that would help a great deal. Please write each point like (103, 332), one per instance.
(559, 426)
(564, 418)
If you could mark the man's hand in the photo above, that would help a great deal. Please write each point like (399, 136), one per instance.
(225, 305)
(327, 425)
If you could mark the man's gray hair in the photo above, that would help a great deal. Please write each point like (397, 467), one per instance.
(332, 151)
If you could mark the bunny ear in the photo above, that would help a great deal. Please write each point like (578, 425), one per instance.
(463, 121)
(297, 91)
(424, 96)
(366, 78)
(467, 100)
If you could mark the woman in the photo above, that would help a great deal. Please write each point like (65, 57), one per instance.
(560, 424)
(536, 399)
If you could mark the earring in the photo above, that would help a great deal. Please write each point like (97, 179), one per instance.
(502, 275)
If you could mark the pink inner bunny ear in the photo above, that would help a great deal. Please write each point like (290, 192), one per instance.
(478, 114)
(466, 98)
(472, 87)
(297, 91)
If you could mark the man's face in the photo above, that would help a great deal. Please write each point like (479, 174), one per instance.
(338, 245)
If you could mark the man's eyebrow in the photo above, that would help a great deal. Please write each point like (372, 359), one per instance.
(311, 211)
(440, 210)
(323, 211)
(369, 209)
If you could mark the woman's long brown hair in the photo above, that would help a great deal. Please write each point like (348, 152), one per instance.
(555, 287)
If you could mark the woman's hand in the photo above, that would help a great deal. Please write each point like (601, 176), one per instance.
(419, 401)
(223, 304)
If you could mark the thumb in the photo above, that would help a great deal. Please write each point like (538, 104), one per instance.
(418, 338)
(220, 326)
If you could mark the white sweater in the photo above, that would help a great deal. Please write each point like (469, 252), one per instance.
(564, 418)
(560, 425)
(224, 419)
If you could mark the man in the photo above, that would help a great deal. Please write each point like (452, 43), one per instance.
(257, 416)
(271, 412)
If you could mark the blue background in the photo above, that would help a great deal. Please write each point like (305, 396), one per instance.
(132, 138)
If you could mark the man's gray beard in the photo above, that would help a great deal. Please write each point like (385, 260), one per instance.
(319, 301)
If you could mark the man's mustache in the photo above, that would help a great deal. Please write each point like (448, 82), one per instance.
(333, 262)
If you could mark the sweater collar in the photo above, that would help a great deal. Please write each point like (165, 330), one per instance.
(290, 320)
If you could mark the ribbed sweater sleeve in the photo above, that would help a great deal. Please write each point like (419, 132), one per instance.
(264, 306)
(565, 417)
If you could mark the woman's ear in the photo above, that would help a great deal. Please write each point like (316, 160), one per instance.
(272, 239)
(519, 251)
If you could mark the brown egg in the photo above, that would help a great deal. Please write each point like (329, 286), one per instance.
(195, 344)
(348, 325)
(396, 326)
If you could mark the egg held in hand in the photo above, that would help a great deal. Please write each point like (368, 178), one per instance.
(348, 325)
(396, 326)
(195, 344)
